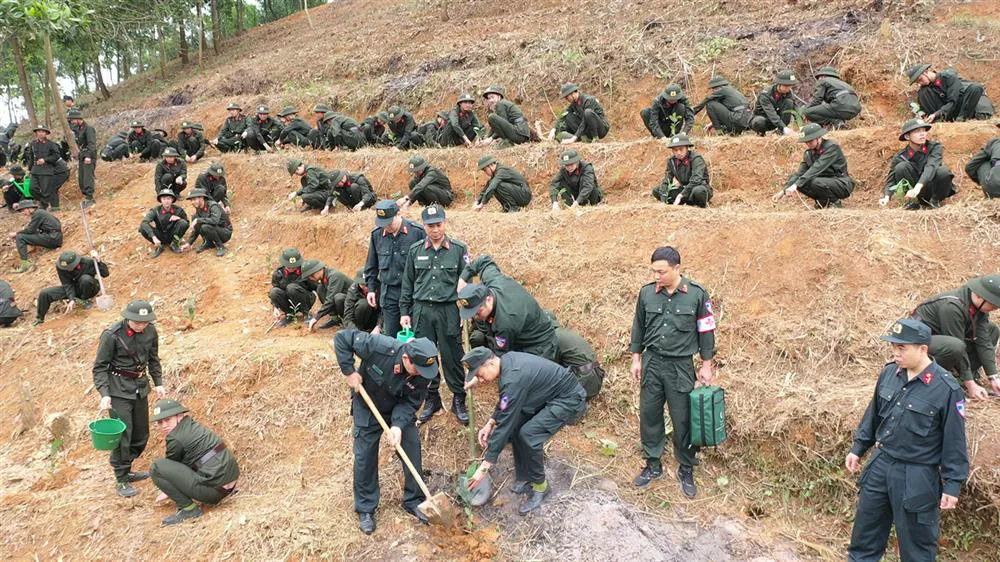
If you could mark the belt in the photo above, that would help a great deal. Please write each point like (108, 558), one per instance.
(586, 368)
(209, 456)
(126, 374)
(738, 108)
(844, 93)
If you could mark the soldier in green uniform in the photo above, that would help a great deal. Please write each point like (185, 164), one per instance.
(43, 230)
(984, 168)
(295, 131)
(945, 96)
(433, 131)
(342, 132)
(673, 321)
(77, 283)
(402, 133)
(164, 224)
(314, 186)
(537, 398)
(507, 123)
(9, 311)
(213, 182)
(190, 143)
(358, 313)
(351, 190)
(669, 115)
(918, 170)
(197, 467)
(916, 422)
(428, 186)
(263, 131)
(775, 106)
(727, 108)
(331, 287)
(317, 135)
(833, 101)
(211, 222)
(575, 183)
(577, 355)
(86, 143)
(510, 316)
(395, 375)
(822, 176)
(374, 129)
(506, 183)
(583, 120)
(388, 249)
(685, 180)
(127, 353)
(142, 144)
(233, 133)
(289, 294)
(964, 339)
(16, 188)
(48, 169)
(427, 305)
(171, 173)
(463, 127)
(117, 148)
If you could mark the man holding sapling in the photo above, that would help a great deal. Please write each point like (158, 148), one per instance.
(918, 172)
(776, 106)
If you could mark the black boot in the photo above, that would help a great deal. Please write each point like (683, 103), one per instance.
(366, 523)
(432, 405)
(534, 501)
(458, 408)
(685, 475)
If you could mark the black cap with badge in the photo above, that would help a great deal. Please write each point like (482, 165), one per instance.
(474, 359)
(424, 355)
(432, 214)
(908, 331)
(470, 298)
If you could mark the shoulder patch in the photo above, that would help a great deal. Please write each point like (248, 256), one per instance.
(960, 407)
(505, 402)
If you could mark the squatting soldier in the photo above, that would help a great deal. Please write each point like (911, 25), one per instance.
(963, 338)
(264, 131)
(211, 222)
(685, 180)
(402, 133)
(358, 313)
(234, 130)
(577, 355)
(116, 148)
(9, 311)
(575, 183)
(822, 175)
(171, 173)
(43, 230)
(944, 96)
(428, 186)
(673, 321)
(314, 186)
(77, 282)
(164, 224)
(463, 126)
(142, 143)
(833, 101)
(669, 115)
(86, 142)
(916, 422)
(537, 398)
(388, 248)
(351, 190)
(190, 143)
(16, 188)
(427, 303)
(374, 129)
(506, 183)
(395, 375)
(919, 170)
(331, 287)
(48, 169)
(510, 316)
(289, 294)
(317, 135)
(583, 120)
(198, 466)
(775, 106)
(342, 132)
(507, 123)
(984, 167)
(295, 131)
(127, 353)
(213, 182)
(434, 131)
(727, 108)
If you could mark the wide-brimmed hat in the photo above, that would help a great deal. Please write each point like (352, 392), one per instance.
(263, 110)
(41, 127)
(311, 266)
(811, 131)
(568, 89)
(74, 114)
(395, 111)
(26, 204)
(291, 257)
(320, 108)
(718, 81)
(417, 164)
(167, 408)
(466, 97)
(171, 151)
(136, 124)
(164, 192)
(68, 260)
(988, 288)
(913, 125)
(286, 111)
(139, 311)
(217, 170)
(679, 140)
(827, 71)
(197, 193)
(569, 157)
(494, 89)
(293, 165)
(233, 105)
(914, 72)
(786, 78)
(673, 92)
(486, 161)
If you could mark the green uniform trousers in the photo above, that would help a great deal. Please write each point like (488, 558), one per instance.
(352, 139)
(845, 107)
(670, 380)
(86, 287)
(48, 240)
(440, 323)
(85, 177)
(182, 484)
(367, 433)
(825, 191)
(939, 188)
(528, 441)
(596, 127)
(959, 356)
(699, 197)
(365, 317)
(293, 299)
(989, 179)
(506, 130)
(727, 121)
(135, 413)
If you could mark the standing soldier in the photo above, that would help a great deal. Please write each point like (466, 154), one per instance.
(43, 230)
(213, 182)
(428, 186)
(358, 313)
(16, 188)
(916, 421)
(507, 123)
(727, 108)
(388, 248)
(351, 190)
(142, 143)
(86, 142)
(48, 169)
(918, 170)
(164, 224)
(944, 96)
(669, 115)
(575, 182)
(463, 127)
(402, 134)
(427, 304)
(822, 175)
(342, 132)
(171, 173)
(9, 311)
(295, 131)
(331, 287)
(508, 185)
(395, 376)
(211, 222)
(190, 143)
(673, 321)
(289, 295)
(77, 283)
(374, 129)
(685, 181)
(314, 186)
(198, 465)
(128, 352)
(776, 106)
(233, 133)
(983, 168)
(833, 102)
(583, 120)
(537, 398)
(263, 131)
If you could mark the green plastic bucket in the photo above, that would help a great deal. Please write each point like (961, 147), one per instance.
(105, 434)
(404, 335)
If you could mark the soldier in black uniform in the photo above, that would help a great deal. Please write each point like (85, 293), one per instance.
(916, 421)
(16, 188)
(686, 178)
(190, 142)
(822, 175)
(727, 108)
(48, 169)
(211, 222)
(575, 184)
(86, 142)
(462, 126)
(142, 144)
(129, 350)
(116, 148)
(294, 131)
(353, 191)
(428, 186)
(213, 182)
(234, 132)
(669, 115)
(358, 313)
(43, 230)
(395, 376)
(165, 224)
(263, 131)
(331, 287)
(77, 282)
(583, 120)
(9, 311)
(314, 186)
(775, 105)
(289, 295)
(918, 170)
(171, 173)
(402, 130)
(833, 102)
(388, 248)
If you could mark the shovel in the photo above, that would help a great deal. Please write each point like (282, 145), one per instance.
(104, 301)
(438, 509)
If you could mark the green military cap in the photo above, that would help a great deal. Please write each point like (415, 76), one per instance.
(165, 192)
(197, 126)
(988, 288)
(337, 176)
(432, 214)
(217, 170)
(569, 157)
(161, 131)
(673, 92)
(293, 165)
(417, 164)
(26, 204)
(185, 125)
(320, 108)
(718, 82)
(329, 115)
(915, 71)
(170, 151)
(913, 125)
(474, 359)
(494, 89)
(908, 330)
(811, 131)
(136, 124)
(197, 193)
(286, 111)
(68, 260)
(263, 110)
(233, 105)
(424, 356)
(41, 127)
(18, 172)
(311, 266)
(486, 161)
(470, 298)
(827, 71)
(679, 140)
(395, 111)
(139, 311)
(382, 116)
(786, 78)
(290, 257)
(74, 114)
(567, 89)
(385, 210)
(167, 408)
(466, 97)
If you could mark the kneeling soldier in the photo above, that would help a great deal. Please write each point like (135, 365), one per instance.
(213, 182)
(165, 224)
(351, 190)
(211, 222)
(685, 181)
(918, 170)
(506, 183)
(775, 106)
(171, 173)
(9, 311)
(77, 282)
(331, 288)
(198, 466)
(984, 168)
(575, 183)
(507, 123)
(583, 120)
(428, 186)
(669, 115)
(727, 108)
(822, 175)
(359, 314)
(289, 294)
(834, 101)
(314, 186)
(43, 230)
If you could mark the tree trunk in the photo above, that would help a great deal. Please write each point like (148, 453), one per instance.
(56, 98)
(99, 78)
(239, 17)
(10, 101)
(182, 43)
(46, 99)
(22, 77)
(163, 51)
(305, 8)
(126, 62)
(201, 34)
(216, 27)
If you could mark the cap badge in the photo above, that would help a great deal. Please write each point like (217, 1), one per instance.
(143, 312)
(292, 259)
(897, 328)
(791, 77)
(463, 303)
(432, 211)
(65, 263)
(380, 212)
(156, 411)
(430, 361)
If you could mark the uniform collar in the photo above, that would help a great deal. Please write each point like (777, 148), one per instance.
(682, 287)
(402, 230)
(444, 243)
(926, 376)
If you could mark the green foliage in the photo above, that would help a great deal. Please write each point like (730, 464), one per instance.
(899, 190)
(797, 117)
(609, 448)
(915, 109)
(572, 56)
(712, 49)
(54, 447)
(190, 307)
